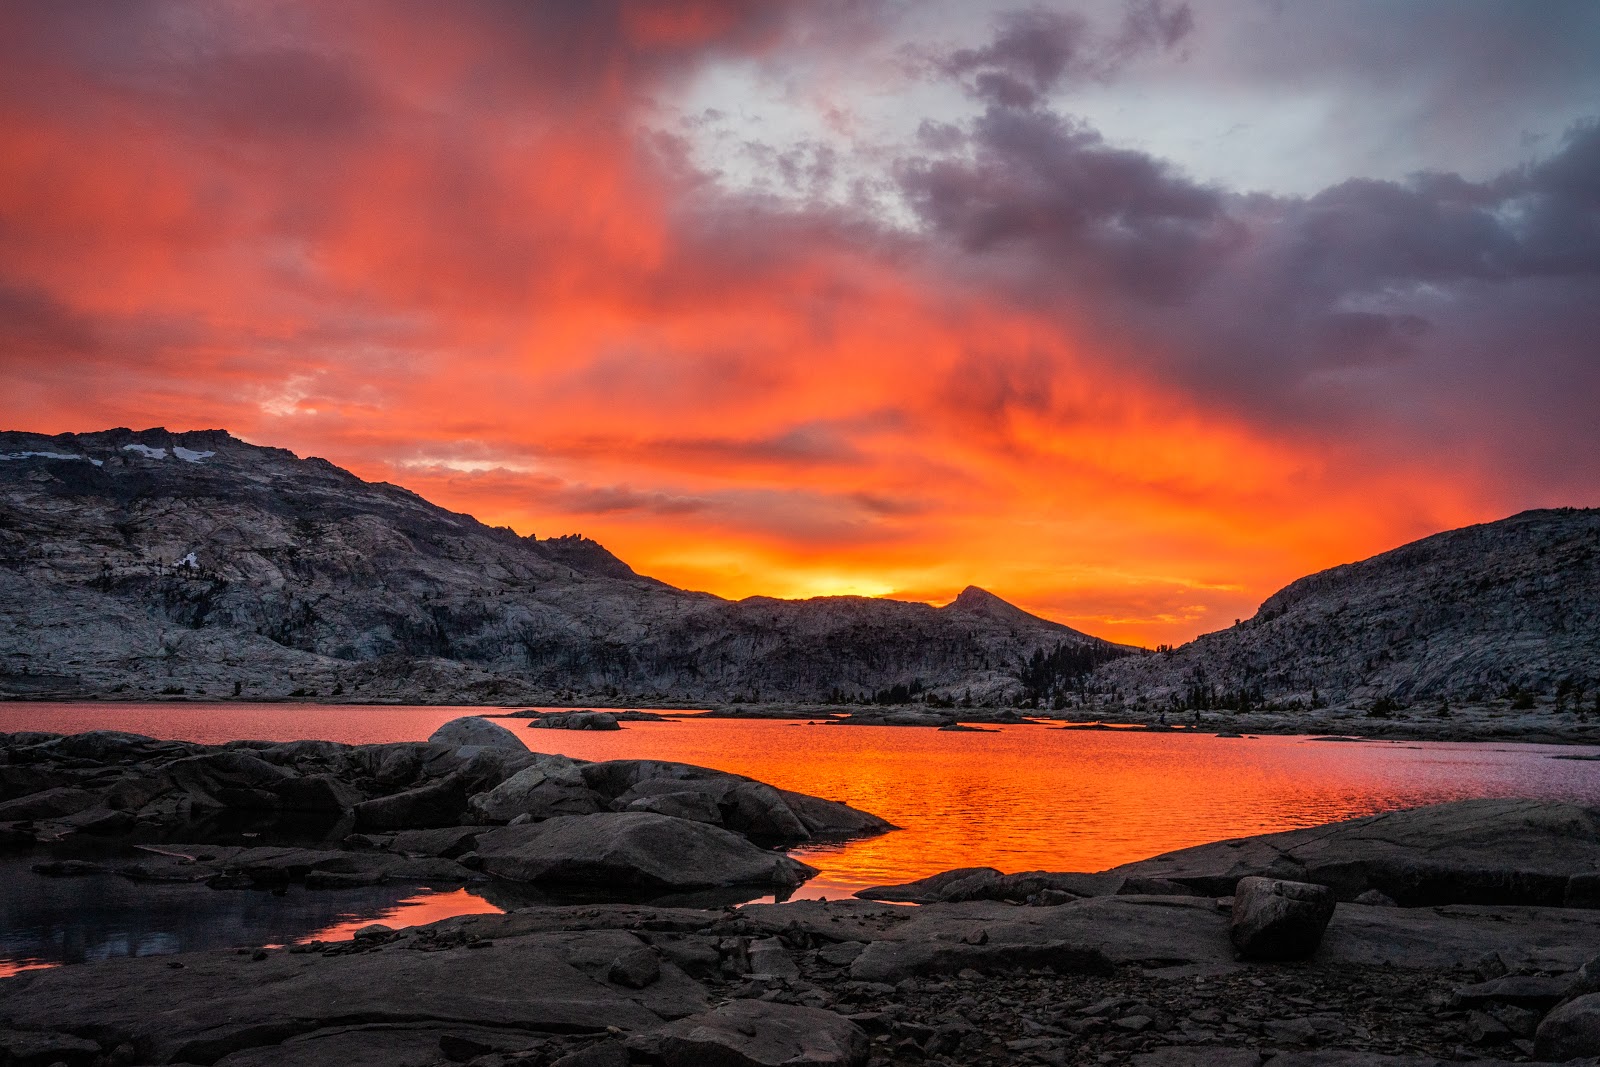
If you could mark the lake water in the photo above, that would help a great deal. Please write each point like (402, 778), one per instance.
(1019, 798)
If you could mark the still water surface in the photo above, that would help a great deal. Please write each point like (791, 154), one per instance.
(1019, 798)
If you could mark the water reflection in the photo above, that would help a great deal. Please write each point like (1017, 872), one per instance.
(1018, 798)
(50, 920)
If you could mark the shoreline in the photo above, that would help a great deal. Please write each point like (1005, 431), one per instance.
(1138, 966)
(1466, 723)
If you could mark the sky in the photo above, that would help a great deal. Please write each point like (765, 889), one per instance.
(1129, 312)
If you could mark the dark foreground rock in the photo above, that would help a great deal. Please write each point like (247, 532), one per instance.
(633, 850)
(1083, 970)
(1109, 980)
(1278, 920)
(365, 814)
(752, 1033)
(1469, 852)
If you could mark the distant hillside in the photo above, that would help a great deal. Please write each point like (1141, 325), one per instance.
(1466, 614)
(138, 563)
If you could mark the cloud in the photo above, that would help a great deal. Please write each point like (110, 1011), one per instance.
(455, 250)
(1038, 50)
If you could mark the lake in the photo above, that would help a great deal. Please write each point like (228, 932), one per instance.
(1019, 798)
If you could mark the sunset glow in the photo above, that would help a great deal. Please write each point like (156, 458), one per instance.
(814, 299)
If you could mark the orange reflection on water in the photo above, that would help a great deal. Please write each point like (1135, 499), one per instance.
(11, 967)
(426, 907)
(1038, 798)
(1016, 798)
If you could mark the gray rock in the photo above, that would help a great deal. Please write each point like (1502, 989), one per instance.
(634, 849)
(1467, 852)
(636, 969)
(1374, 898)
(696, 806)
(604, 1054)
(40, 1048)
(1278, 920)
(48, 804)
(751, 1033)
(552, 786)
(1197, 1056)
(1521, 990)
(576, 720)
(474, 731)
(1570, 1031)
(926, 890)
(219, 1004)
(230, 778)
(446, 841)
(770, 959)
(1459, 936)
(441, 803)
(894, 961)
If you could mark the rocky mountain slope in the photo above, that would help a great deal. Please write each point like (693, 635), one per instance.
(1503, 609)
(139, 563)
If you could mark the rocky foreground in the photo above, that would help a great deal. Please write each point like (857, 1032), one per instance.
(1461, 932)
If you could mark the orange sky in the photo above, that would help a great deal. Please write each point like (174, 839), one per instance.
(477, 258)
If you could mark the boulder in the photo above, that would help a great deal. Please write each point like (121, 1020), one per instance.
(1570, 1031)
(759, 812)
(49, 804)
(317, 794)
(754, 1033)
(230, 778)
(440, 803)
(1279, 920)
(396, 764)
(633, 849)
(635, 969)
(830, 819)
(552, 786)
(474, 731)
(697, 807)
(446, 841)
(926, 890)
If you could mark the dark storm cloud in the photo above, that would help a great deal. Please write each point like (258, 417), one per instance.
(1042, 182)
(1035, 51)
(1435, 307)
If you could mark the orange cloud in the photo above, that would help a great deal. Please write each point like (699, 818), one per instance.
(466, 265)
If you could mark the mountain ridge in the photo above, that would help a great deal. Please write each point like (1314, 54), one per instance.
(1475, 613)
(153, 561)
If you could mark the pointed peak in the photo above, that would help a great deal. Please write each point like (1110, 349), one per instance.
(972, 598)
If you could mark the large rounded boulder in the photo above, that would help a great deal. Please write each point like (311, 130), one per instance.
(633, 849)
(474, 731)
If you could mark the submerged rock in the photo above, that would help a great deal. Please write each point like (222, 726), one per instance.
(576, 720)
